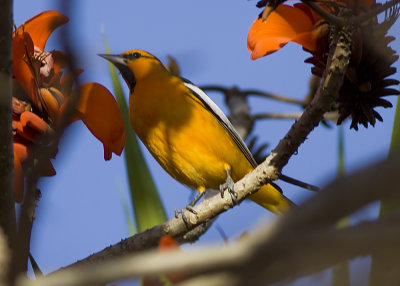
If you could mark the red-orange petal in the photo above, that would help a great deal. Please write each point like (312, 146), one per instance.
(30, 119)
(20, 154)
(42, 25)
(22, 47)
(99, 111)
(30, 126)
(21, 151)
(25, 132)
(283, 25)
(51, 99)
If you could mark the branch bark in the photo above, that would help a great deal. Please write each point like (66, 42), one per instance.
(340, 52)
(7, 211)
(302, 242)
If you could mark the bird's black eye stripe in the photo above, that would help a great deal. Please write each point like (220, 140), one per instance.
(132, 56)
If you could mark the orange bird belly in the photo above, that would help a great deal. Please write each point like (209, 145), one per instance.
(184, 137)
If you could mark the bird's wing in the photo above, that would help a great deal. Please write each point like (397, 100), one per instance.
(222, 119)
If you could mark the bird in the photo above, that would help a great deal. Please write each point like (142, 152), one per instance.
(186, 132)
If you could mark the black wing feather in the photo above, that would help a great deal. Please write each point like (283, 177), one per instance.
(222, 119)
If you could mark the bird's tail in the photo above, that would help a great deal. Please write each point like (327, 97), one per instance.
(272, 199)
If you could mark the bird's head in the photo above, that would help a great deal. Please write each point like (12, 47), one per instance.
(134, 65)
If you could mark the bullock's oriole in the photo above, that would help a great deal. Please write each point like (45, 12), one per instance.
(185, 131)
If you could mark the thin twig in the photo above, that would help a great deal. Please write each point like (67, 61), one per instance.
(298, 183)
(330, 115)
(370, 14)
(259, 116)
(357, 20)
(332, 19)
(25, 222)
(275, 97)
(254, 92)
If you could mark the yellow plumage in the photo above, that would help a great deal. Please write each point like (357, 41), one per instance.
(181, 132)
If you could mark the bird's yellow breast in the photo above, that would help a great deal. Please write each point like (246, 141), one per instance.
(185, 138)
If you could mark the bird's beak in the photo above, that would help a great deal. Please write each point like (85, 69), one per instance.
(114, 59)
(121, 64)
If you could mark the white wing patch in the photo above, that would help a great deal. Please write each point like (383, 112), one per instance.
(222, 119)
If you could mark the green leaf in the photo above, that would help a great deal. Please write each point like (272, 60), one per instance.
(128, 217)
(147, 205)
(341, 168)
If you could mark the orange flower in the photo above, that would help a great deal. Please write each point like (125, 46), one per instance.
(297, 24)
(365, 84)
(43, 85)
(27, 129)
(99, 111)
(285, 24)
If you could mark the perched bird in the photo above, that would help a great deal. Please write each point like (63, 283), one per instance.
(185, 131)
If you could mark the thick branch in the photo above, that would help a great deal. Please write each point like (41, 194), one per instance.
(7, 211)
(301, 243)
(326, 95)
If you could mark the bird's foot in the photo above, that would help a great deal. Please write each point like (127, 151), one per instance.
(182, 214)
(229, 186)
(190, 207)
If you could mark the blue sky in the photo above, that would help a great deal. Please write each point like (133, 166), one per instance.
(81, 207)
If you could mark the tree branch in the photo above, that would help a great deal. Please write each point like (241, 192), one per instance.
(7, 211)
(259, 116)
(331, 115)
(340, 51)
(254, 92)
(302, 242)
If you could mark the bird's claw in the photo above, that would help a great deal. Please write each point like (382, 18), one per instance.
(229, 186)
(191, 209)
(184, 218)
(182, 213)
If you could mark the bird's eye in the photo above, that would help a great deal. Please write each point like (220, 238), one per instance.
(135, 55)
(132, 56)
